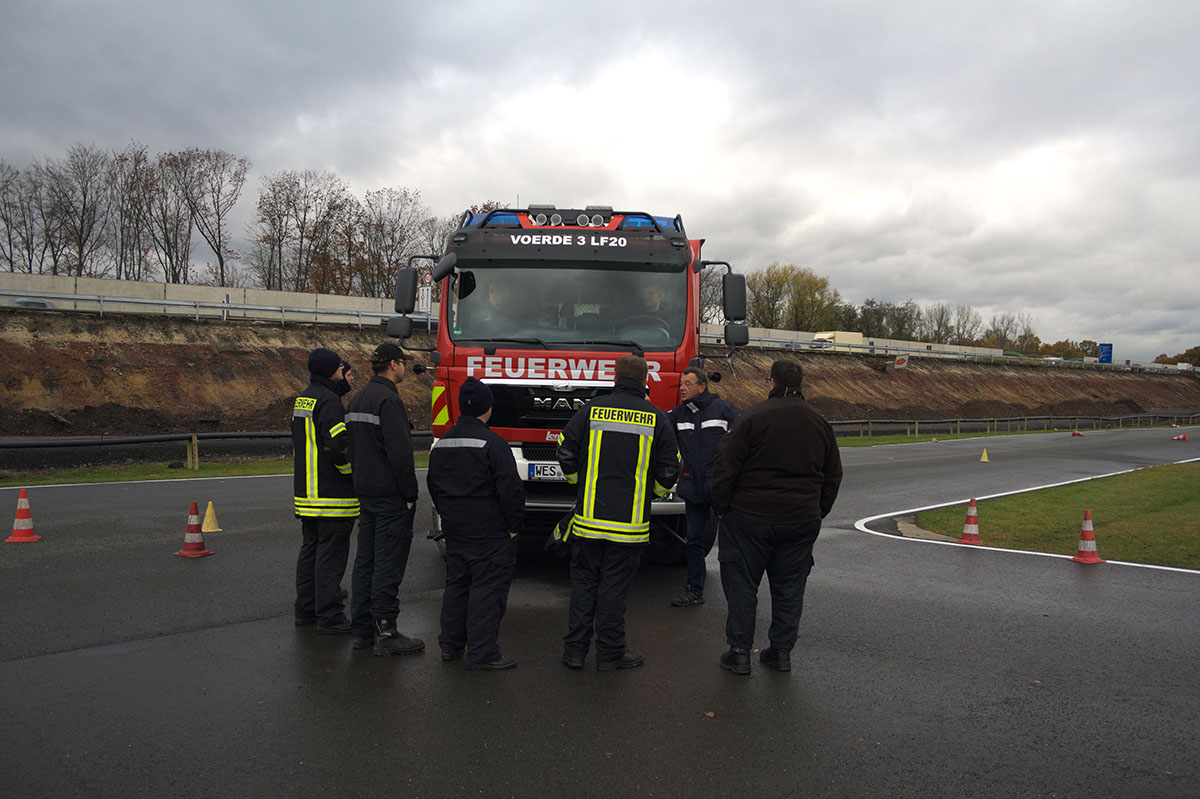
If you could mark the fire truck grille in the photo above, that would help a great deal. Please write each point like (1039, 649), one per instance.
(539, 452)
(538, 407)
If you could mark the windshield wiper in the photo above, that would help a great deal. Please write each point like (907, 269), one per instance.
(611, 342)
(490, 343)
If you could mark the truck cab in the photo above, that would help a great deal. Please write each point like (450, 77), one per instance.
(539, 303)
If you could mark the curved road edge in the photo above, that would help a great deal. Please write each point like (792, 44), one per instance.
(861, 524)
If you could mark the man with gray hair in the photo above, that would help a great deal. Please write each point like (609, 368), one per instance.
(776, 477)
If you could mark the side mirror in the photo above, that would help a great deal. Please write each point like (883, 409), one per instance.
(735, 335)
(399, 326)
(445, 266)
(406, 292)
(733, 297)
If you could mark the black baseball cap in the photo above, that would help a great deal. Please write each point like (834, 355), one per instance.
(387, 351)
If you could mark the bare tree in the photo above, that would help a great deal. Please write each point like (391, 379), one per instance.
(210, 182)
(967, 325)
(130, 179)
(937, 323)
(712, 309)
(271, 233)
(168, 223)
(395, 226)
(77, 190)
(10, 214)
(1002, 331)
(1027, 340)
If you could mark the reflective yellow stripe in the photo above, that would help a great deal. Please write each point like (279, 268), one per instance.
(589, 482)
(310, 456)
(572, 478)
(337, 429)
(440, 415)
(609, 524)
(344, 469)
(600, 529)
(639, 478)
(328, 502)
(659, 491)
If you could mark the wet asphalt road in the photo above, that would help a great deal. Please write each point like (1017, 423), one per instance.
(922, 670)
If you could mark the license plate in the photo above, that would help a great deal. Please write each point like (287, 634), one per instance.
(545, 471)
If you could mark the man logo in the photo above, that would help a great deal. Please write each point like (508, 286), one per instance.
(558, 403)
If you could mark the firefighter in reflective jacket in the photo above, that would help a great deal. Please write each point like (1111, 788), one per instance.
(324, 495)
(620, 451)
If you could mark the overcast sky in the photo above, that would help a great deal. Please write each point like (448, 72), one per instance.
(1039, 157)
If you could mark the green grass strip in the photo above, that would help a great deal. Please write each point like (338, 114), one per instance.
(1148, 516)
(159, 471)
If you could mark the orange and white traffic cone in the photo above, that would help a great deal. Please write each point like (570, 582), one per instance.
(193, 538)
(1087, 542)
(971, 528)
(1076, 433)
(23, 522)
(1180, 437)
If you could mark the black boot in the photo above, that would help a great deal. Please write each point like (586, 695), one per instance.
(390, 641)
(736, 660)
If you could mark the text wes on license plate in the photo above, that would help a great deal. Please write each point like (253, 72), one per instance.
(545, 471)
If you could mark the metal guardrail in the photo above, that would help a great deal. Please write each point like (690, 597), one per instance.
(763, 342)
(793, 345)
(224, 308)
(103, 441)
(867, 428)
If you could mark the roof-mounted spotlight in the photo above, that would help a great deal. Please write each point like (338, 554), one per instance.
(555, 219)
(582, 220)
(540, 220)
(597, 220)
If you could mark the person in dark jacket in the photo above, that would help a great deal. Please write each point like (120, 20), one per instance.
(700, 420)
(776, 477)
(324, 495)
(475, 487)
(382, 456)
(620, 451)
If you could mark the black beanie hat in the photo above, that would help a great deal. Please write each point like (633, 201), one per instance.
(474, 398)
(323, 362)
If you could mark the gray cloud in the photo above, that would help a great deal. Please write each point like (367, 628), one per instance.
(1011, 156)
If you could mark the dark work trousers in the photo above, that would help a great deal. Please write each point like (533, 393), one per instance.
(696, 515)
(601, 576)
(385, 532)
(320, 567)
(784, 552)
(478, 575)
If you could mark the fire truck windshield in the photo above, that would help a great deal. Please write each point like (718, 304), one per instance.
(569, 304)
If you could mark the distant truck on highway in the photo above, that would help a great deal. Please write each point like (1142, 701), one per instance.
(539, 303)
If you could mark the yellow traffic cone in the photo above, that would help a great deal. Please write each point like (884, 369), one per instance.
(984, 458)
(210, 521)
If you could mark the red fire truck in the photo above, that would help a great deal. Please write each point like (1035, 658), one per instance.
(539, 303)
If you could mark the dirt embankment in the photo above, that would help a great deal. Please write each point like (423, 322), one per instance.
(66, 374)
